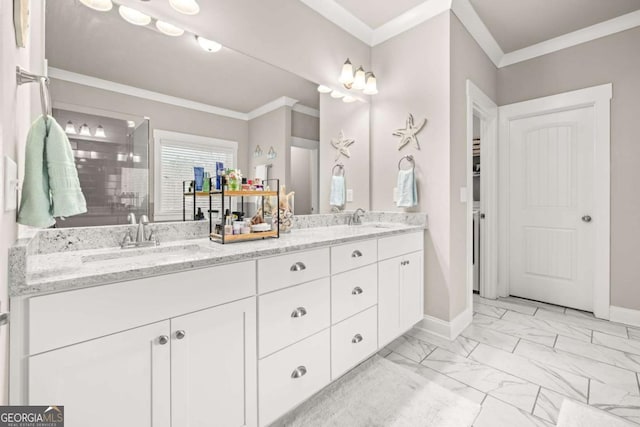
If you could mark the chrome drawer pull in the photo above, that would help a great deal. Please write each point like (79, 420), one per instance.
(298, 266)
(300, 371)
(299, 312)
(180, 334)
(357, 290)
(356, 338)
(356, 254)
(163, 339)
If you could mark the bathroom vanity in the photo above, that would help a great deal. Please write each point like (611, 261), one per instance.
(216, 335)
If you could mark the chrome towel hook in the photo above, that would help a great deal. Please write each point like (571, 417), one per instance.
(23, 76)
(410, 159)
(340, 166)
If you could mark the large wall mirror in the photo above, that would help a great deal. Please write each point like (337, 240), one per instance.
(118, 86)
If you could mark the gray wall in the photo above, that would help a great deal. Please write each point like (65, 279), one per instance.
(272, 130)
(353, 119)
(301, 179)
(413, 71)
(305, 126)
(468, 61)
(615, 59)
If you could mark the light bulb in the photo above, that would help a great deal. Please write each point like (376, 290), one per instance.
(371, 88)
(346, 76)
(169, 29)
(324, 89)
(336, 94)
(208, 45)
(359, 82)
(99, 5)
(133, 16)
(70, 128)
(84, 130)
(187, 7)
(131, 124)
(100, 132)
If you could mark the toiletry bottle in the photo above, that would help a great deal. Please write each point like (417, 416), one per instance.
(228, 228)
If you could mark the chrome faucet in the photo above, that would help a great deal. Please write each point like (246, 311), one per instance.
(356, 219)
(131, 218)
(140, 235)
(141, 239)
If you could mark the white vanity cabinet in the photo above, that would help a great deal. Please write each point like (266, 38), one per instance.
(400, 285)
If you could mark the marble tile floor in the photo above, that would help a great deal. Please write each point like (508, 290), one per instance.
(521, 359)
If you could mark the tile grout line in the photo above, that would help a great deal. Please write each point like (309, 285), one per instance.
(555, 341)
(592, 336)
(588, 390)
(515, 346)
(638, 381)
(535, 402)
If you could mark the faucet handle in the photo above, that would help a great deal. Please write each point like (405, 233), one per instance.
(131, 218)
(144, 219)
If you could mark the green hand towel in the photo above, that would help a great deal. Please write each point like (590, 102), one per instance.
(51, 186)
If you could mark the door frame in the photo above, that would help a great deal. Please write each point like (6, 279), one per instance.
(480, 105)
(599, 98)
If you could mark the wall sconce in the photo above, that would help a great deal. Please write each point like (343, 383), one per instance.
(70, 128)
(271, 154)
(84, 130)
(100, 132)
(360, 80)
(257, 152)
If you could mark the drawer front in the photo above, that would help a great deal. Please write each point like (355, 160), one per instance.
(353, 291)
(279, 391)
(353, 255)
(291, 314)
(291, 269)
(389, 247)
(353, 340)
(66, 318)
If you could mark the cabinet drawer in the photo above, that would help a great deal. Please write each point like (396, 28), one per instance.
(292, 314)
(353, 340)
(291, 269)
(353, 291)
(280, 389)
(353, 255)
(389, 247)
(66, 318)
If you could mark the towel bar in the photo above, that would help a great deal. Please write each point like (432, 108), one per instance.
(340, 166)
(23, 76)
(409, 158)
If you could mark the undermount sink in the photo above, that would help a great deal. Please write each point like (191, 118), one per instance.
(384, 226)
(128, 253)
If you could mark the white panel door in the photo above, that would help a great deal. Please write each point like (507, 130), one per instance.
(121, 379)
(214, 367)
(551, 232)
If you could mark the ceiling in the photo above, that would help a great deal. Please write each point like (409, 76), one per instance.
(521, 23)
(103, 45)
(375, 14)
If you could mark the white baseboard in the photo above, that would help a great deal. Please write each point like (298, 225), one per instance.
(628, 316)
(446, 329)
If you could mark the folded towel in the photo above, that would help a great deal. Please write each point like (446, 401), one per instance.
(51, 186)
(407, 190)
(337, 197)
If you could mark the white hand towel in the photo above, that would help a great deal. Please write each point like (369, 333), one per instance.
(407, 191)
(337, 197)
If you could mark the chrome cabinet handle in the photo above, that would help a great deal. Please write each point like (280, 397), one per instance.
(404, 263)
(356, 254)
(180, 334)
(356, 338)
(299, 312)
(298, 266)
(357, 290)
(300, 371)
(163, 339)
(408, 262)
(586, 218)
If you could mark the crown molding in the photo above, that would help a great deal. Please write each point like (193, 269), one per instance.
(344, 19)
(478, 30)
(283, 101)
(584, 35)
(108, 85)
(409, 19)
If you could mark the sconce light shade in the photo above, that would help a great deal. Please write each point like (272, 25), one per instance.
(99, 5)
(187, 7)
(348, 99)
(208, 45)
(133, 16)
(346, 76)
(70, 128)
(359, 82)
(336, 94)
(371, 88)
(84, 130)
(272, 153)
(257, 152)
(324, 89)
(100, 132)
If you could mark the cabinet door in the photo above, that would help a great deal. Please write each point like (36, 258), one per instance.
(411, 290)
(213, 367)
(121, 379)
(389, 321)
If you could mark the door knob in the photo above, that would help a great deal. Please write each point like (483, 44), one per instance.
(163, 339)
(586, 218)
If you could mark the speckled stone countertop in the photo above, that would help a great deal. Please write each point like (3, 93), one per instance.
(67, 270)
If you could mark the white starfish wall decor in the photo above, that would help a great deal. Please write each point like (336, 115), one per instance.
(341, 144)
(409, 133)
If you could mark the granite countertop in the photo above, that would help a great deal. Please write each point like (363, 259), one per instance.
(62, 271)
